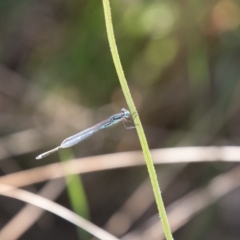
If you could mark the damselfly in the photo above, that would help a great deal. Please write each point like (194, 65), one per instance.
(124, 115)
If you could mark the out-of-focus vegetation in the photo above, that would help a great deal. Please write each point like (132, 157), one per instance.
(182, 62)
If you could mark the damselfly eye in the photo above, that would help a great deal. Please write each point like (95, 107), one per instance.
(126, 113)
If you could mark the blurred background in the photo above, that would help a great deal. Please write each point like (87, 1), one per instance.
(182, 63)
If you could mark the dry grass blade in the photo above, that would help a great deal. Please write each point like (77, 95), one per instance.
(29, 214)
(133, 209)
(55, 208)
(182, 211)
(121, 160)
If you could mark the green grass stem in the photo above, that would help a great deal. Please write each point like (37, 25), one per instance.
(76, 193)
(137, 122)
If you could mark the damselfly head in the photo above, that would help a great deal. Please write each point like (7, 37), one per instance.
(126, 113)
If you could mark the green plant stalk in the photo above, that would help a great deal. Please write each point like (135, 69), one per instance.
(137, 122)
(76, 193)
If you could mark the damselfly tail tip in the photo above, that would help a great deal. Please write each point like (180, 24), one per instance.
(39, 157)
(48, 153)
